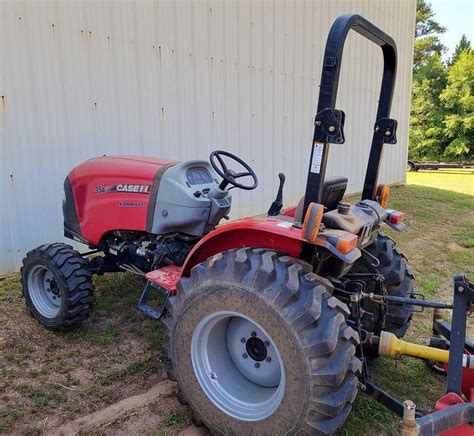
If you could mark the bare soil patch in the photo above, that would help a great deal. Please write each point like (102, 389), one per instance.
(49, 379)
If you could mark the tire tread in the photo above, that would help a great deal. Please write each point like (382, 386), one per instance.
(77, 281)
(306, 301)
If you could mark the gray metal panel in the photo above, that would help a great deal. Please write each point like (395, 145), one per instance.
(177, 208)
(178, 79)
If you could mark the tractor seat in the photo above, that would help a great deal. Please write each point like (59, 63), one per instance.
(333, 191)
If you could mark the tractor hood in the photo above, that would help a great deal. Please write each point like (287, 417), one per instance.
(132, 169)
(144, 194)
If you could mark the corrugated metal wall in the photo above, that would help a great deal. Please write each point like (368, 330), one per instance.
(178, 79)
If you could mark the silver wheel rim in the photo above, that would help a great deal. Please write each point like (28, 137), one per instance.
(44, 291)
(238, 365)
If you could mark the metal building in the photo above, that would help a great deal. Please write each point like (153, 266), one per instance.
(178, 79)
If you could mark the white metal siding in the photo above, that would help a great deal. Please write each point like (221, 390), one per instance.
(178, 79)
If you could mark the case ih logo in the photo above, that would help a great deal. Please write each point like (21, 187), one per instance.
(135, 189)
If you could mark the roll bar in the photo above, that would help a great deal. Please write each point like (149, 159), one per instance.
(329, 122)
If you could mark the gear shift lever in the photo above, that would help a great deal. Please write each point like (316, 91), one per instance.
(277, 204)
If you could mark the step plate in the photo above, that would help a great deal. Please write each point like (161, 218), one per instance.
(166, 277)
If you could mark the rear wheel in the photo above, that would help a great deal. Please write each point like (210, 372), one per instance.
(57, 286)
(398, 281)
(259, 346)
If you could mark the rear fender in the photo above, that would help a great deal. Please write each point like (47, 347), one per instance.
(267, 233)
(250, 232)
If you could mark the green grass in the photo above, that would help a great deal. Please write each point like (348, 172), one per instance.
(171, 420)
(172, 424)
(145, 366)
(9, 416)
(439, 243)
(455, 180)
(111, 333)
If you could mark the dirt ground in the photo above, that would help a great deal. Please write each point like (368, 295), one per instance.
(48, 379)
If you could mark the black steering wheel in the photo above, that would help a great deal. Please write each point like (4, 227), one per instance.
(229, 176)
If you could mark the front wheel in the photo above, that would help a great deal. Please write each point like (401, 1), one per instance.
(57, 286)
(259, 346)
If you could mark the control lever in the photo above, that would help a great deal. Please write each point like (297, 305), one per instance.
(277, 204)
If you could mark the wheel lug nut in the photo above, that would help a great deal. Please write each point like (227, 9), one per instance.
(257, 365)
(243, 340)
(253, 334)
(268, 359)
(267, 344)
(213, 376)
(245, 355)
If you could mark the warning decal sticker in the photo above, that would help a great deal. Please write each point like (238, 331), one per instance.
(317, 157)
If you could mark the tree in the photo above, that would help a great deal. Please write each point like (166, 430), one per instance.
(425, 23)
(427, 32)
(427, 137)
(458, 101)
(463, 45)
(442, 111)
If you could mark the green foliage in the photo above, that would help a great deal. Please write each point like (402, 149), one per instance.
(425, 23)
(427, 133)
(458, 99)
(442, 102)
(172, 420)
(463, 45)
(423, 49)
(427, 41)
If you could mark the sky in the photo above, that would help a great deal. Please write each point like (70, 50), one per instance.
(458, 18)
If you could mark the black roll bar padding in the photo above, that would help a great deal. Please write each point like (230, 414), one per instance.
(328, 93)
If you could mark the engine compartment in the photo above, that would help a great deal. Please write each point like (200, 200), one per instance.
(141, 194)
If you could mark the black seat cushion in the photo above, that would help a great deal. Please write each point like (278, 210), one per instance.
(333, 191)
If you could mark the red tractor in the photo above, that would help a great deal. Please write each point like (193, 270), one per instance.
(269, 319)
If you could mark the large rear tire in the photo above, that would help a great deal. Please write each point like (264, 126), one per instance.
(57, 286)
(259, 346)
(398, 281)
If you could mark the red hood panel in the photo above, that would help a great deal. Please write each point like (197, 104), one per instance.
(114, 193)
(129, 168)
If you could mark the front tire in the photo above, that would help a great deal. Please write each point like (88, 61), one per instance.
(259, 346)
(57, 286)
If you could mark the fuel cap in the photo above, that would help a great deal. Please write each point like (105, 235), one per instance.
(343, 208)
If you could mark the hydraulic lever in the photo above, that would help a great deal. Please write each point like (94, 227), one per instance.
(277, 204)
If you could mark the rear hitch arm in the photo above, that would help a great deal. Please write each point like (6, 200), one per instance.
(408, 301)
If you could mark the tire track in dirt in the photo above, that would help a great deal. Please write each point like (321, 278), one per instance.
(130, 414)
